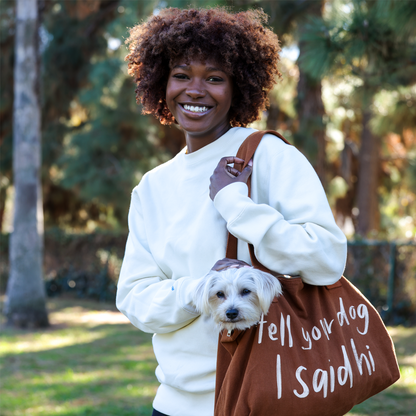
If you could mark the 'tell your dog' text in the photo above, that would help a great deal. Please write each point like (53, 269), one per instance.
(322, 379)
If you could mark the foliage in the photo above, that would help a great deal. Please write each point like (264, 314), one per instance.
(355, 38)
(79, 265)
(364, 51)
(107, 147)
(96, 142)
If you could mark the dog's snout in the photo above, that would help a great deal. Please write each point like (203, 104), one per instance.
(232, 313)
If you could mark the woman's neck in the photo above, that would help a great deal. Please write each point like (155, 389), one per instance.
(195, 141)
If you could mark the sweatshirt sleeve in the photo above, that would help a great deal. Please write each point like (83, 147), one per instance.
(152, 301)
(292, 228)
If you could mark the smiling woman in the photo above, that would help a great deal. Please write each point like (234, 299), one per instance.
(199, 95)
(210, 72)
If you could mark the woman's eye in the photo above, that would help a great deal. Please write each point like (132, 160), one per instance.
(180, 76)
(220, 294)
(215, 79)
(246, 292)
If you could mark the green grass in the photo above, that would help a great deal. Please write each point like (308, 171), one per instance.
(92, 362)
(399, 399)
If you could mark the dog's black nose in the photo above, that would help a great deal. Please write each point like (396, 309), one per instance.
(232, 313)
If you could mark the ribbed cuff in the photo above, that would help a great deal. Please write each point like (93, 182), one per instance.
(231, 200)
(186, 287)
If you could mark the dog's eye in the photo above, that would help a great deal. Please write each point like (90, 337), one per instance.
(245, 292)
(220, 294)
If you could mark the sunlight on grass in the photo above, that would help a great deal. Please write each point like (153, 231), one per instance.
(84, 316)
(405, 342)
(408, 378)
(99, 376)
(47, 341)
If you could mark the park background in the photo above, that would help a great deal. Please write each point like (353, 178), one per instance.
(347, 100)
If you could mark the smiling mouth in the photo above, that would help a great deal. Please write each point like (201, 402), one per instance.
(196, 109)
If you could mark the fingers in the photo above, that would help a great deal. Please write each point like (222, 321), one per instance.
(229, 263)
(245, 174)
(229, 159)
(234, 172)
(224, 174)
(225, 161)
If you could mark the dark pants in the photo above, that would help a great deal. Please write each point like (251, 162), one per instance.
(156, 413)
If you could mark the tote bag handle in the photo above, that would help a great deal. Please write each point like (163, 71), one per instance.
(246, 152)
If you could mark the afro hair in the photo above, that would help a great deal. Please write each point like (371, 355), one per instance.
(246, 50)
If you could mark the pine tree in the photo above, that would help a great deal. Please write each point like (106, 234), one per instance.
(75, 39)
(112, 139)
(357, 40)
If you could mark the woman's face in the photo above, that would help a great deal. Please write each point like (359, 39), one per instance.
(199, 96)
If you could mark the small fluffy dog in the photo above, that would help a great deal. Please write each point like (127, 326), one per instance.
(236, 297)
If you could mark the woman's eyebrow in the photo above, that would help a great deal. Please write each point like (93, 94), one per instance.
(208, 68)
(211, 68)
(181, 66)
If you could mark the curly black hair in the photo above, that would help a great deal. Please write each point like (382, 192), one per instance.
(244, 48)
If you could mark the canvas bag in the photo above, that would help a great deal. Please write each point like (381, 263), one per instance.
(319, 351)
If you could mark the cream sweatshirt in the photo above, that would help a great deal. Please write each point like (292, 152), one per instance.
(177, 233)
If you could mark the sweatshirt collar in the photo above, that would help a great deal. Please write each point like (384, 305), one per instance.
(214, 150)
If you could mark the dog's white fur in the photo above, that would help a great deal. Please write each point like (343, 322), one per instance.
(245, 291)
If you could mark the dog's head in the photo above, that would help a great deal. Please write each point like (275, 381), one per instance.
(236, 298)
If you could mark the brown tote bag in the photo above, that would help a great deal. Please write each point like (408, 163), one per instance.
(319, 351)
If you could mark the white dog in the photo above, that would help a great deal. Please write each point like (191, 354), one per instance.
(236, 297)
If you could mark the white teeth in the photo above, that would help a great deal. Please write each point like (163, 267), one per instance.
(195, 109)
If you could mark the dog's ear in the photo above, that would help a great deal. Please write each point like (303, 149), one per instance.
(268, 287)
(201, 293)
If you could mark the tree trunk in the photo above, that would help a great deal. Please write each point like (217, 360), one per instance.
(25, 296)
(311, 134)
(368, 178)
(3, 195)
(310, 137)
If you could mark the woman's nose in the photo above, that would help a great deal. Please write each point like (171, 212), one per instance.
(195, 90)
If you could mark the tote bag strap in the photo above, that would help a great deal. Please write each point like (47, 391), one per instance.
(246, 152)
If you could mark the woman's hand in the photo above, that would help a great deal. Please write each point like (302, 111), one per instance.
(229, 263)
(225, 175)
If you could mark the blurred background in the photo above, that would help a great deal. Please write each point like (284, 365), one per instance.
(347, 100)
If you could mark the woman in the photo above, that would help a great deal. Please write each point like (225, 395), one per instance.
(210, 72)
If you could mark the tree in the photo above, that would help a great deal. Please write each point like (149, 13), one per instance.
(356, 40)
(74, 33)
(71, 38)
(312, 131)
(25, 296)
(7, 23)
(287, 18)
